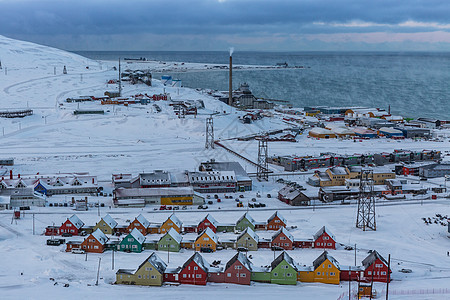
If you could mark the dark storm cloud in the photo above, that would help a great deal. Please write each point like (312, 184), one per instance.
(207, 16)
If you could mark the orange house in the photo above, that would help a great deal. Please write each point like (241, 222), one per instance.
(171, 222)
(276, 221)
(95, 242)
(207, 239)
(140, 223)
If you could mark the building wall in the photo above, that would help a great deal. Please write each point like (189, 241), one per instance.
(282, 241)
(261, 276)
(103, 226)
(325, 241)
(68, 227)
(247, 242)
(147, 275)
(136, 224)
(305, 276)
(166, 242)
(129, 243)
(237, 274)
(206, 224)
(327, 273)
(192, 274)
(284, 274)
(275, 224)
(244, 223)
(380, 271)
(90, 244)
(204, 241)
(165, 227)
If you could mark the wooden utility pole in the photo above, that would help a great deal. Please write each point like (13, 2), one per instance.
(98, 270)
(371, 283)
(388, 277)
(112, 267)
(33, 224)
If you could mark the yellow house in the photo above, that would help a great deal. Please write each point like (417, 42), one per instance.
(337, 176)
(207, 239)
(107, 225)
(325, 269)
(171, 222)
(149, 273)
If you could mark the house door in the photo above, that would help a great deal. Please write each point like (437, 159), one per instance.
(176, 277)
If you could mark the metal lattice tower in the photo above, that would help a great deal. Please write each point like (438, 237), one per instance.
(209, 133)
(365, 218)
(263, 167)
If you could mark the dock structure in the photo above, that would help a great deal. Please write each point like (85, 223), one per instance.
(16, 113)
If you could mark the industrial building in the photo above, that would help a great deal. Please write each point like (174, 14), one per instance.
(434, 170)
(156, 196)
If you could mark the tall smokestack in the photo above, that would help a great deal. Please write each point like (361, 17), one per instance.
(230, 80)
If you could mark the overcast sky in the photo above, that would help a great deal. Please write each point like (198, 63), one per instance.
(292, 25)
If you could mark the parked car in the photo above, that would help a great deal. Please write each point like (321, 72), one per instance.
(210, 202)
(239, 204)
(208, 196)
(184, 207)
(162, 207)
(176, 208)
(237, 200)
(206, 250)
(242, 249)
(83, 233)
(250, 205)
(262, 205)
(218, 200)
(78, 251)
(216, 196)
(269, 196)
(241, 196)
(66, 234)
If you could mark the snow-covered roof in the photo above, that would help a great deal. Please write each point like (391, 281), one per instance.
(138, 236)
(251, 233)
(248, 217)
(175, 220)
(285, 232)
(211, 235)
(321, 231)
(280, 258)
(100, 236)
(210, 219)
(144, 222)
(76, 221)
(371, 258)
(277, 214)
(324, 256)
(242, 258)
(152, 192)
(156, 262)
(174, 235)
(199, 260)
(110, 221)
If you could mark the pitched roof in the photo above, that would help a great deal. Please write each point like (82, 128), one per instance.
(371, 258)
(175, 220)
(324, 256)
(100, 236)
(199, 260)
(210, 219)
(144, 222)
(76, 221)
(285, 231)
(138, 236)
(156, 262)
(174, 235)
(277, 214)
(321, 231)
(209, 233)
(242, 258)
(280, 258)
(110, 221)
(248, 217)
(251, 233)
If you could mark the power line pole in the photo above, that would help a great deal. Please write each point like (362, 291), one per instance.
(388, 277)
(33, 223)
(209, 133)
(263, 167)
(365, 218)
(112, 267)
(120, 81)
(98, 270)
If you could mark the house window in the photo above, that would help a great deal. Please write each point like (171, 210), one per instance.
(275, 274)
(318, 273)
(95, 247)
(332, 273)
(288, 274)
(284, 267)
(383, 273)
(326, 238)
(184, 275)
(120, 276)
(369, 273)
(228, 274)
(283, 238)
(195, 268)
(153, 277)
(243, 274)
(206, 239)
(329, 244)
(237, 267)
(198, 275)
(148, 269)
(378, 265)
(139, 276)
(329, 266)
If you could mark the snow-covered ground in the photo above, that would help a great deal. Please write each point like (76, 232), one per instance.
(137, 138)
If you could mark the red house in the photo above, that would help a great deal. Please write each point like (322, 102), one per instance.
(140, 223)
(350, 273)
(95, 242)
(238, 270)
(207, 222)
(52, 230)
(283, 239)
(194, 271)
(324, 239)
(375, 268)
(276, 221)
(72, 225)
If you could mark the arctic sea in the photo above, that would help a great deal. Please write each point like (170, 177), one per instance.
(414, 84)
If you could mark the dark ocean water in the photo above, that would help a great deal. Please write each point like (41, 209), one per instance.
(413, 83)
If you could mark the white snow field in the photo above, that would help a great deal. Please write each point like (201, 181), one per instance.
(137, 138)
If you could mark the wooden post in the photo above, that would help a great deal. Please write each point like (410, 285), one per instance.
(388, 277)
(371, 283)
(98, 270)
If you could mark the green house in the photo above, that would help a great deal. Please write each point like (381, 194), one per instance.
(225, 227)
(261, 274)
(149, 273)
(283, 270)
(246, 221)
(132, 242)
(171, 241)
